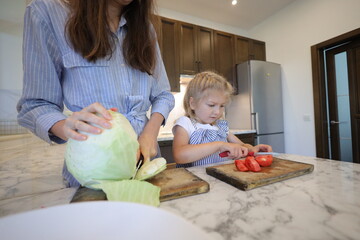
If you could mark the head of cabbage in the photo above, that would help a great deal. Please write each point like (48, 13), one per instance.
(111, 155)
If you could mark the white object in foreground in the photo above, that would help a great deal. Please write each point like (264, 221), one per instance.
(99, 220)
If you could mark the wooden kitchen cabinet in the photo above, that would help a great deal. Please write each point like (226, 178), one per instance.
(188, 49)
(224, 56)
(242, 47)
(249, 49)
(196, 49)
(257, 50)
(169, 47)
(205, 43)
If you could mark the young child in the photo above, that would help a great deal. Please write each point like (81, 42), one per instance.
(201, 134)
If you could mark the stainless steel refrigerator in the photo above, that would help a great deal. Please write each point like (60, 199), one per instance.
(258, 104)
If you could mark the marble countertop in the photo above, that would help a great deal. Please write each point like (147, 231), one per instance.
(324, 204)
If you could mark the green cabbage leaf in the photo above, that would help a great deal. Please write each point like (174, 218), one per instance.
(131, 191)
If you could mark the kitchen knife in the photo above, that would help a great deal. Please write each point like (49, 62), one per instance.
(226, 153)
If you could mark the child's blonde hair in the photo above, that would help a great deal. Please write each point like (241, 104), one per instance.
(199, 84)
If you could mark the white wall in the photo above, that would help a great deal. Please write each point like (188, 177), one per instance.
(289, 36)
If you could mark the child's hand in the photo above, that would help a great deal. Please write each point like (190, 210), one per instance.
(235, 150)
(261, 148)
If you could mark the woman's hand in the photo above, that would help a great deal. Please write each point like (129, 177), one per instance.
(148, 146)
(148, 138)
(80, 121)
(235, 150)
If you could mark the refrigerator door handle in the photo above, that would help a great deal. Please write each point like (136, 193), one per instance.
(255, 121)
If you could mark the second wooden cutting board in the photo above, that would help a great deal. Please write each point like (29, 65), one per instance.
(279, 170)
(174, 183)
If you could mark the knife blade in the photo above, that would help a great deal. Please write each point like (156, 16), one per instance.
(226, 153)
(138, 165)
(267, 153)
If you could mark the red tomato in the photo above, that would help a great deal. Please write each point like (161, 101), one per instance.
(264, 160)
(250, 157)
(252, 165)
(241, 166)
(240, 160)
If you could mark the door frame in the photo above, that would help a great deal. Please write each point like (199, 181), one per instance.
(319, 89)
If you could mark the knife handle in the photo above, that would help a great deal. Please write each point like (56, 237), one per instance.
(224, 154)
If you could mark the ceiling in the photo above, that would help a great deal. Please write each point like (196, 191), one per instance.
(245, 15)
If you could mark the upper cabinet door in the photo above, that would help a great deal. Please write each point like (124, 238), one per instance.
(169, 47)
(196, 49)
(249, 49)
(242, 46)
(224, 56)
(257, 50)
(188, 49)
(206, 53)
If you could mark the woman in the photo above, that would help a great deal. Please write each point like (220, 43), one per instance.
(92, 55)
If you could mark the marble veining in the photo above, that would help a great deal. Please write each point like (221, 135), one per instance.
(324, 204)
(320, 205)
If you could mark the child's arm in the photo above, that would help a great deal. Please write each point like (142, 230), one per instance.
(184, 152)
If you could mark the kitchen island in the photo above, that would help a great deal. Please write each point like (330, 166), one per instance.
(324, 204)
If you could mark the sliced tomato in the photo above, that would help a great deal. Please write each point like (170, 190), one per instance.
(251, 153)
(252, 165)
(240, 165)
(264, 160)
(240, 160)
(250, 157)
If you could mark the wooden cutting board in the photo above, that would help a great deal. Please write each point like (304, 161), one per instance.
(174, 183)
(279, 170)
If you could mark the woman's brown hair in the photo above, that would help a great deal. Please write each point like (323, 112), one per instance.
(89, 32)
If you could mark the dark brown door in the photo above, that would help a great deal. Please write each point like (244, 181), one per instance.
(354, 82)
(343, 76)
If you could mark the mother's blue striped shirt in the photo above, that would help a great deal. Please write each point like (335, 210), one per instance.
(55, 75)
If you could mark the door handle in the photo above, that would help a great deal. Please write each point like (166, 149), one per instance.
(332, 122)
(255, 120)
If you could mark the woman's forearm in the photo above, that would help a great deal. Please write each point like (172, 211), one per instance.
(153, 125)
